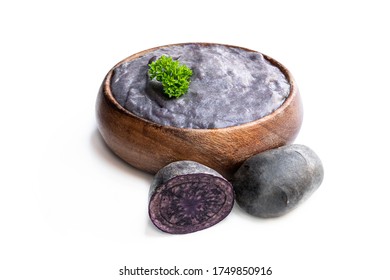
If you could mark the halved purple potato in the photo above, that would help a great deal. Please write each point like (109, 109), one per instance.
(186, 196)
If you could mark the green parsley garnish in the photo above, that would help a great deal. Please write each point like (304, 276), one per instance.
(174, 77)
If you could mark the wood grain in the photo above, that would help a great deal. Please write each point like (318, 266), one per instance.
(150, 146)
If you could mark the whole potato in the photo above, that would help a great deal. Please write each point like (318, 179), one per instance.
(272, 183)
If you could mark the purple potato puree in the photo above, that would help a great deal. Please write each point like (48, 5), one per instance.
(229, 86)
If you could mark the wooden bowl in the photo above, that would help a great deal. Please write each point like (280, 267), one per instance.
(150, 146)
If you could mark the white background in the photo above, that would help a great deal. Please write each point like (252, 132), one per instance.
(71, 210)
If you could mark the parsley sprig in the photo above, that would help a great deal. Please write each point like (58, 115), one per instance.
(174, 77)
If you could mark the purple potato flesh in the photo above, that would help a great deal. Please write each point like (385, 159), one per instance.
(190, 202)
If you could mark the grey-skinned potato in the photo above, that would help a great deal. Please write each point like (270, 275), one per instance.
(274, 182)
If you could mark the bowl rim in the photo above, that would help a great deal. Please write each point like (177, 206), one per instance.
(293, 91)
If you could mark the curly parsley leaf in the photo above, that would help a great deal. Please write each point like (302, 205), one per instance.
(174, 77)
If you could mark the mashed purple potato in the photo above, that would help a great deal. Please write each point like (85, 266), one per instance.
(229, 86)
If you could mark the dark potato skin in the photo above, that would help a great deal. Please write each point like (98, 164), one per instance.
(273, 183)
(186, 196)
